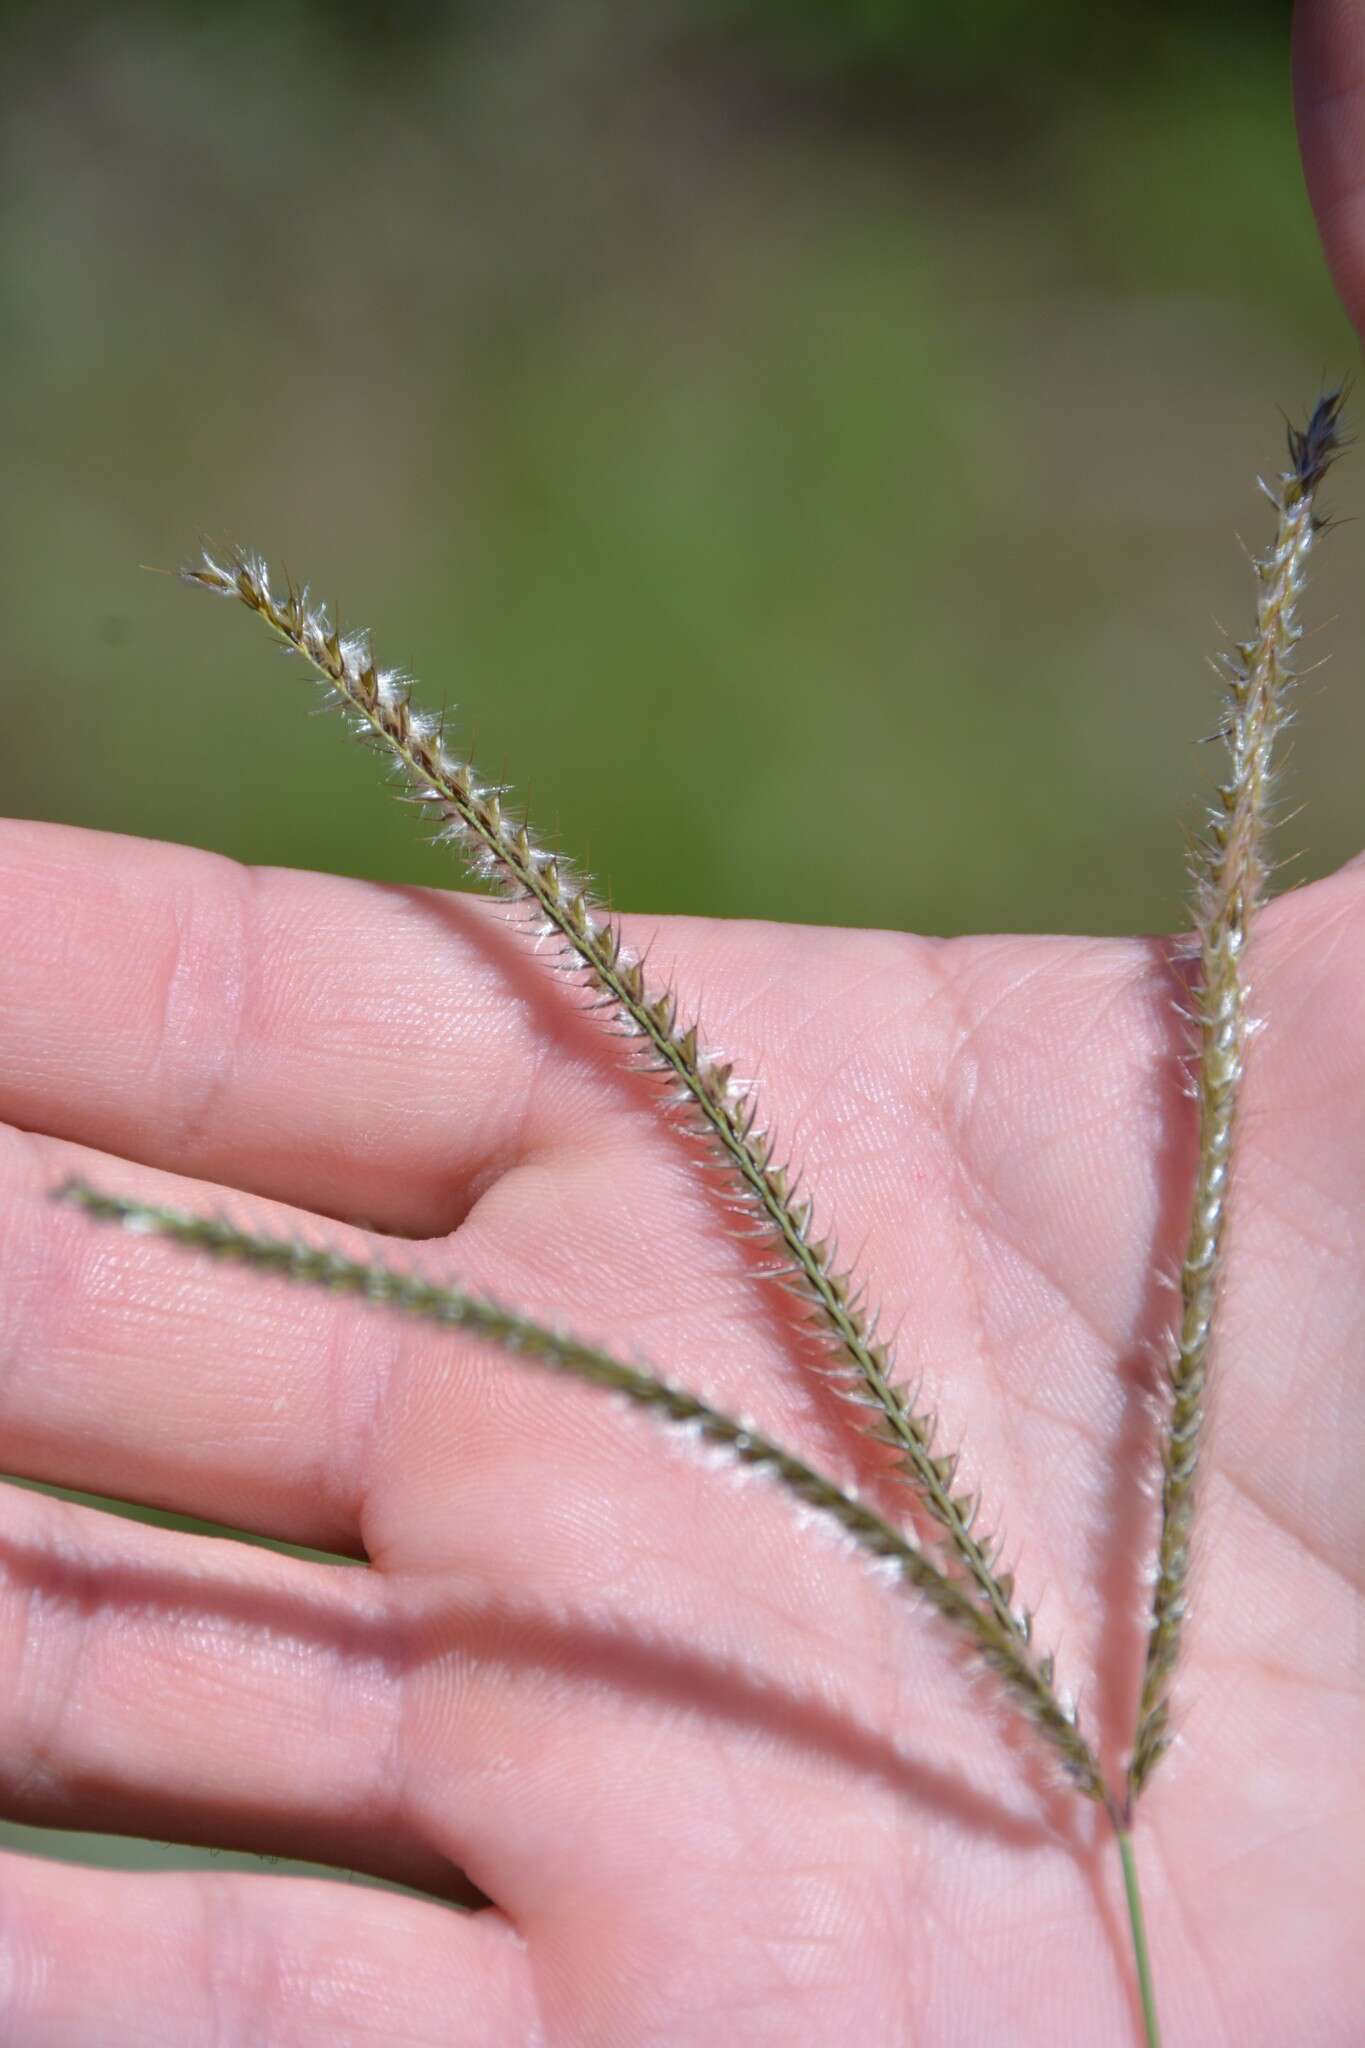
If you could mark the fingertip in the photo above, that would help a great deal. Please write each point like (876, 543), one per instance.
(1328, 42)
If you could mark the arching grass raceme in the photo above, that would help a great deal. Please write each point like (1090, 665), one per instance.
(559, 1352)
(1229, 878)
(500, 849)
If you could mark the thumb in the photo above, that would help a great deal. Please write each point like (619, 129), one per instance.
(1329, 110)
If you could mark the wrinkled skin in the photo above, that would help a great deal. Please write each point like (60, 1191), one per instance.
(720, 1782)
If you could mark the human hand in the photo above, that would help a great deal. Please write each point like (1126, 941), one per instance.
(720, 1784)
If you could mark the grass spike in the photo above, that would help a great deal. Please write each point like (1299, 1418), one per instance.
(1229, 880)
(538, 1344)
(727, 1117)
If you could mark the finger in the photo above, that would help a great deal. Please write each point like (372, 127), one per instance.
(164, 1684)
(352, 1049)
(126, 1371)
(130, 1369)
(151, 1378)
(195, 1961)
(1329, 105)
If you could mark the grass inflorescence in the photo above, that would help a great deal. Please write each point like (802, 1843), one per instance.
(557, 1351)
(499, 848)
(943, 1560)
(1229, 877)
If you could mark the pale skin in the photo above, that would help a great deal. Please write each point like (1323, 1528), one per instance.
(720, 1783)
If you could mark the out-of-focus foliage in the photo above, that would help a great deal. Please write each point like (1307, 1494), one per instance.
(738, 456)
(970, 41)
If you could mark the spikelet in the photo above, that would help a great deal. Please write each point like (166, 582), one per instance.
(501, 850)
(541, 1345)
(1229, 878)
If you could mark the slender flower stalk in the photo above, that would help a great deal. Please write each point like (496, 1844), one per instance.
(540, 1345)
(500, 849)
(1229, 878)
(1137, 1928)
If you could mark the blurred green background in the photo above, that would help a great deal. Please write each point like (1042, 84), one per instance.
(807, 438)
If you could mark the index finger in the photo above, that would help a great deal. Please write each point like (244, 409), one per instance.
(369, 1053)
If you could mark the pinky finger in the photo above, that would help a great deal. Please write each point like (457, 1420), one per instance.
(206, 1960)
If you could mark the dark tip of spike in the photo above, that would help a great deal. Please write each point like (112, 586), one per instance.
(1312, 448)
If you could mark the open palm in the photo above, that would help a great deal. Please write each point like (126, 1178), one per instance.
(720, 1784)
